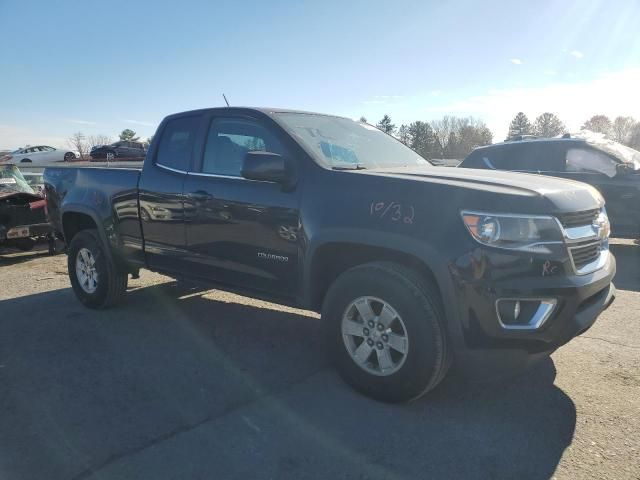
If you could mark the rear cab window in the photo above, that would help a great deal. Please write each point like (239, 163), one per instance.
(177, 142)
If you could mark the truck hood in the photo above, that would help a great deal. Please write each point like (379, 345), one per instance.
(565, 195)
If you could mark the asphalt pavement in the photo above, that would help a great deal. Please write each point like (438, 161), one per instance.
(188, 384)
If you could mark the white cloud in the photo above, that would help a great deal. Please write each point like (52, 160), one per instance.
(576, 53)
(138, 122)
(612, 94)
(81, 122)
(516, 61)
(383, 99)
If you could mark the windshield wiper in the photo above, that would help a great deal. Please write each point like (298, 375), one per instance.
(357, 166)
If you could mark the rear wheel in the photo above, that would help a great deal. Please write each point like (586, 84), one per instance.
(385, 331)
(95, 279)
(25, 160)
(111, 156)
(69, 157)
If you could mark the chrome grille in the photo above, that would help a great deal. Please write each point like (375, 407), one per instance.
(576, 219)
(586, 253)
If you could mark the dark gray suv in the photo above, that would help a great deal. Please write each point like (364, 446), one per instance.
(610, 167)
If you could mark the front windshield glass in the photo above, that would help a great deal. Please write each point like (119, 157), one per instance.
(12, 181)
(622, 152)
(343, 143)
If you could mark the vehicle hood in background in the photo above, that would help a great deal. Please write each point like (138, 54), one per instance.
(565, 194)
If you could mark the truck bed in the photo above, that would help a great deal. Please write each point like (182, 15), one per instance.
(108, 195)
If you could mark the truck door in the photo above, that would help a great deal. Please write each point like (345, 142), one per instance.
(161, 194)
(241, 232)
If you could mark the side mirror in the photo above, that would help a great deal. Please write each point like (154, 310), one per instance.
(623, 168)
(266, 167)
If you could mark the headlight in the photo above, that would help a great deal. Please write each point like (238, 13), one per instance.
(531, 233)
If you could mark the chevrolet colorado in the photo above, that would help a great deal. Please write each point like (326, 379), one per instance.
(413, 267)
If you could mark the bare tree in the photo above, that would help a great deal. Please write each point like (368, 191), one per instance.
(363, 119)
(98, 140)
(403, 134)
(443, 130)
(548, 125)
(622, 128)
(599, 124)
(78, 142)
(634, 137)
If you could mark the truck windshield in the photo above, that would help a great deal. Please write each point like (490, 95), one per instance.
(343, 143)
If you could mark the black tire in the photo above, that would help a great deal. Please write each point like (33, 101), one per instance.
(418, 303)
(111, 283)
(69, 157)
(25, 160)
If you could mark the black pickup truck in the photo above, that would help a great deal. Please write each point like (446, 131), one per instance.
(413, 267)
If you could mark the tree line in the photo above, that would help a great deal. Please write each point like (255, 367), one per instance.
(456, 137)
(625, 130)
(83, 144)
(449, 137)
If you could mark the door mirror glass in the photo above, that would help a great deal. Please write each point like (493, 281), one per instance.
(265, 167)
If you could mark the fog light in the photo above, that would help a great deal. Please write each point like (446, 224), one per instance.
(524, 314)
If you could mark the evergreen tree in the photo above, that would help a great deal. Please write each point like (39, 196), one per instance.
(386, 126)
(548, 125)
(421, 139)
(128, 135)
(520, 125)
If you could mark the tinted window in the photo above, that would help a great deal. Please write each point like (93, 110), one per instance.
(229, 140)
(177, 142)
(487, 158)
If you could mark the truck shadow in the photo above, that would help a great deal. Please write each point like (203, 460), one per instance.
(628, 266)
(206, 381)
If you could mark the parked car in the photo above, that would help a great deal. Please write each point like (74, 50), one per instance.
(612, 168)
(22, 212)
(122, 149)
(411, 265)
(40, 154)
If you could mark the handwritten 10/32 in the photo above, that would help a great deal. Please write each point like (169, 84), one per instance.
(393, 211)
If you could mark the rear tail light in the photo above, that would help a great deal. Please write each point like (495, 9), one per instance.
(5, 158)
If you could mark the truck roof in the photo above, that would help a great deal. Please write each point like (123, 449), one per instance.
(263, 110)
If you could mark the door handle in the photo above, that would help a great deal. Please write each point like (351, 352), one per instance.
(200, 196)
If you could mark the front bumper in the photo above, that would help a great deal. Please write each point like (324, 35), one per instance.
(487, 346)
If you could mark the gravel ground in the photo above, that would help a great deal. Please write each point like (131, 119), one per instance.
(187, 384)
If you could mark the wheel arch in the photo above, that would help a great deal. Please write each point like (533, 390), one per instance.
(76, 218)
(337, 251)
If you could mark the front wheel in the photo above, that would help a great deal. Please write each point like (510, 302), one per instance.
(384, 329)
(69, 157)
(95, 279)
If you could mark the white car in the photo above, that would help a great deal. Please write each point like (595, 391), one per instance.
(40, 154)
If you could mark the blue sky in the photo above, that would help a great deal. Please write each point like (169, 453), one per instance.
(101, 66)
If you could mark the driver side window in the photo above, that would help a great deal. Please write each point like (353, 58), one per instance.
(229, 140)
